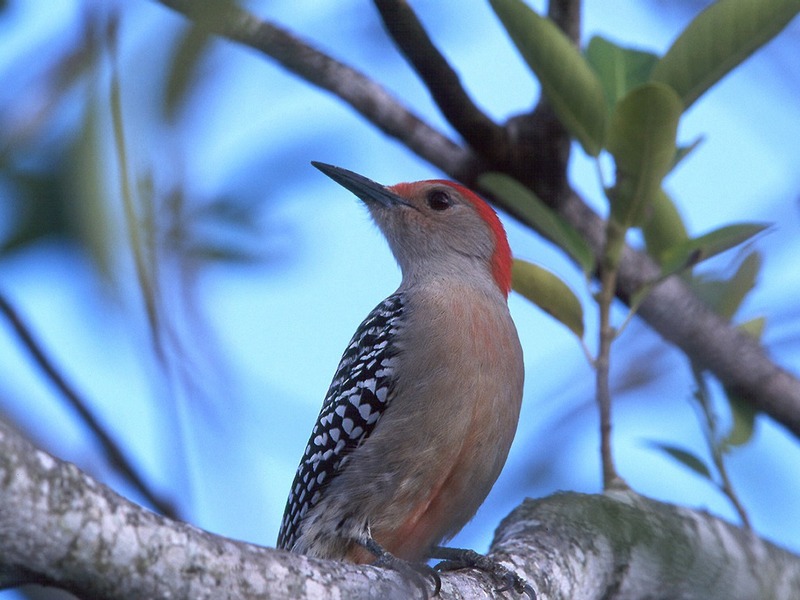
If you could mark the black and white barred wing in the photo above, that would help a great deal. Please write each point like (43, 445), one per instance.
(358, 395)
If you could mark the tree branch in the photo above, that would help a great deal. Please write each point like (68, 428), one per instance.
(477, 129)
(364, 95)
(671, 309)
(622, 545)
(61, 528)
(567, 15)
(115, 455)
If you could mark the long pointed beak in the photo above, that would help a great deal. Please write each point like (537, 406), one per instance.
(366, 189)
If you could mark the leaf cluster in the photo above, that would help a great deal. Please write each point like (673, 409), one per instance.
(627, 103)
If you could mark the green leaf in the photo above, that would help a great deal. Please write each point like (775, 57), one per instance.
(743, 415)
(725, 296)
(737, 287)
(753, 327)
(41, 208)
(93, 214)
(641, 137)
(684, 151)
(549, 293)
(183, 68)
(529, 207)
(229, 211)
(663, 227)
(619, 69)
(223, 253)
(567, 80)
(691, 252)
(717, 40)
(685, 457)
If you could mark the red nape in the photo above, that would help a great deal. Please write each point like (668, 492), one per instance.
(501, 260)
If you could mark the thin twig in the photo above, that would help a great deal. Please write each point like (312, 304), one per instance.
(116, 457)
(567, 15)
(615, 237)
(602, 367)
(714, 447)
(441, 79)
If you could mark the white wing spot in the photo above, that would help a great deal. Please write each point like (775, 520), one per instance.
(347, 425)
(364, 410)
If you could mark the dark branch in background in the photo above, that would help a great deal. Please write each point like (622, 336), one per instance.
(364, 95)
(567, 15)
(116, 457)
(671, 309)
(540, 148)
(534, 142)
(477, 129)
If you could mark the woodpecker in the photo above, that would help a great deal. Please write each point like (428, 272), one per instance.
(424, 405)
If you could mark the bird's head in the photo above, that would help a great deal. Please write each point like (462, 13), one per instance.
(435, 227)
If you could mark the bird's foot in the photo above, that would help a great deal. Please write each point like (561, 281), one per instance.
(459, 558)
(417, 573)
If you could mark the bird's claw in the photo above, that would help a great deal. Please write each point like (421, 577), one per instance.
(457, 558)
(416, 572)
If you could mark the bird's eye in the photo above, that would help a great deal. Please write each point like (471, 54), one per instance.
(439, 200)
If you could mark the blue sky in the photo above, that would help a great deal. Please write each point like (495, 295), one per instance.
(266, 339)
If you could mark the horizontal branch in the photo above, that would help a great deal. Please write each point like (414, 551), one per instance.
(621, 545)
(59, 527)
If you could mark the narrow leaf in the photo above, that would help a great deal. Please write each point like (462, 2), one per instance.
(684, 151)
(718, 40)
(549, 293)
(641, 137)
(529, 207)
(663, 226)
(738, 286)
(223, 253)
(685, 457)
(93, 212)
(753, 327)
(743, 414)
(183, 68)
(43, 208)
(725, 296)
(691, 252)
(567, 80)
(619, 69)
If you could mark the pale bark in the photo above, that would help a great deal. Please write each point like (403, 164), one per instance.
(60, 527)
